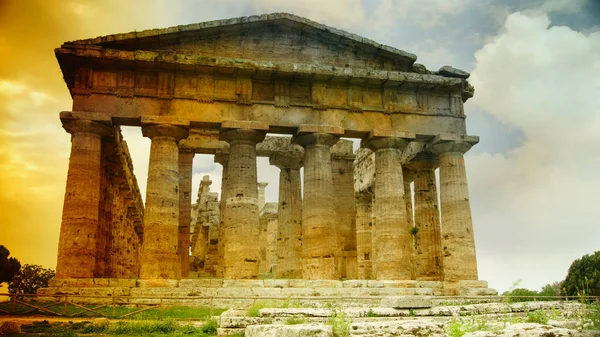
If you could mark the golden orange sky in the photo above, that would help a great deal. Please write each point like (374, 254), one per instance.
(34, 148)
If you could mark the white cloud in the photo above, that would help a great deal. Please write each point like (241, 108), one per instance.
(426, 14)
(535, 208)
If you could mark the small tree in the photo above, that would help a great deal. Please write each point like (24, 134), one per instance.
(29, 279)
(8, 266)
(583, 277)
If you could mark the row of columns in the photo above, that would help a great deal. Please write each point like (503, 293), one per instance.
(315, 241)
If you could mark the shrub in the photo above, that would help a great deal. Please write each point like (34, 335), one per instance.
(29, 279)
(583, 276)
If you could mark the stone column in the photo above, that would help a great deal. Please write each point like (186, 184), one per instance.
(159, 258)
(428, 258)
(241, 223)
(268, 240)
(392, 234)
(261, 195)
(458, 243)
(222, 157)
(186, 159)
(319, 234)
(364, 224)
(342, 170)
(289, 213)
(80, 217)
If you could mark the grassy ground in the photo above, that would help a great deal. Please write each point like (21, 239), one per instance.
(178, 312)
(167, 328)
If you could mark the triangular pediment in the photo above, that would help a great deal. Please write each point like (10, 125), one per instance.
(270, 37)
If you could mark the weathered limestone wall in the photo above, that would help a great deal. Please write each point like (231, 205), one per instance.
(342, 168)
(268, 239)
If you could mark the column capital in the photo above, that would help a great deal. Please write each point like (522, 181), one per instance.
(451, 143)
(317, 138)
(249, 135)
(423, 161)
(221, 157)
(262, 185)
(164, 130)
(205, 181)
(87, 126)
(376, 143)
(287, 160)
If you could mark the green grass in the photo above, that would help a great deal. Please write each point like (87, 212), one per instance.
(340, 324)
(538, 316)
(122, 328)
(178, 312)
(295, 320)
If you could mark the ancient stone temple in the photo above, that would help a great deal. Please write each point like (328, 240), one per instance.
(276, 86)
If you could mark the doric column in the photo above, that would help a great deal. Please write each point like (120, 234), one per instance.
(77, 242)
(159, 258)
(392, 234)
(364, 241)
(458, 243)
(428, 258)
(186, 159)
(268, 239)
(241, 222)
(222, 157)
(289, 213)
(319, 234)
(261, 195)
(342, 171)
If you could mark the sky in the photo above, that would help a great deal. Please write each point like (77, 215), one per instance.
(535, 65)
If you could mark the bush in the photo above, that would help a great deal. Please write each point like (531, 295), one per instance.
(29, 279)
(8, 266)
(583, 277)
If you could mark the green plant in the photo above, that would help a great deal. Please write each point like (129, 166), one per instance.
(454, 329)
(340, 324)
(254, 309)
(295, 320)
(538, 316)
(291, 303)
(29, 279)
(8, 266)
(210, 327)
(371, 313)
(583, 275)
(411, 313)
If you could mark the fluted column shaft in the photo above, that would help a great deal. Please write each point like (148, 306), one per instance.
(159, 256)
(186, 159)
(428, 258)
(319, 234)
(392, 238)
(241, 221)
(458, 243)
(364, 239)
(289, 214)
(80, 218)
(223, 159)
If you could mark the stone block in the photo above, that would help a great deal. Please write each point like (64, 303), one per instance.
(407, 302)
(239, 124)
(243, 283)
(120, 282)
(101, 282)
(276, 283)
(472, 284)
(300, 330)
(430, 284)
(312, 128)
(374, 284)
(157, 283)
(297, 292)
(379, 133)
(200, 283)
(399, 284)
(354, 284)
(398, 328)
(10, 328)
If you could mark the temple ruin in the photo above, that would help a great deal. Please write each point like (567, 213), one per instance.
(238, 89)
